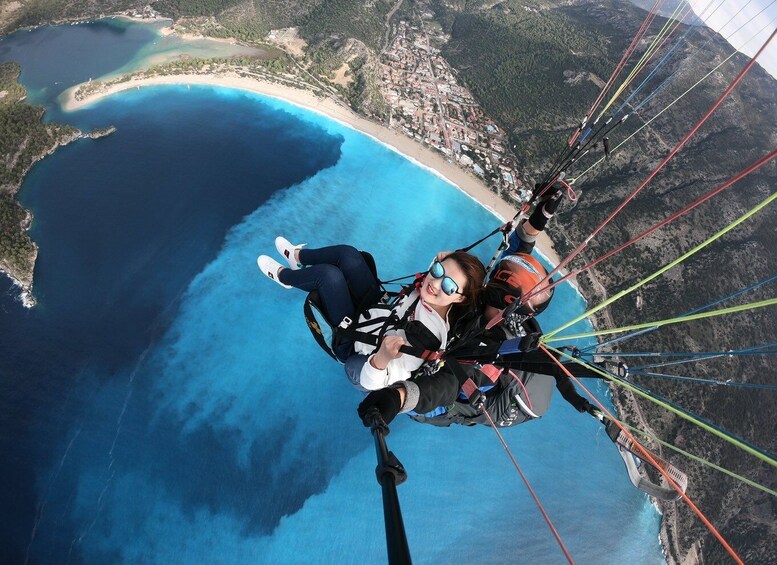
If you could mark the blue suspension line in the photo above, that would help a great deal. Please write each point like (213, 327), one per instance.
(707, 42)
(700, 380)
(758, 350)
(691, 414)
(650, 75)
(590, 355)
(663, 60)
(690, 312)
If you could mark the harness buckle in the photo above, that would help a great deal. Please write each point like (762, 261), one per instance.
(346, 321)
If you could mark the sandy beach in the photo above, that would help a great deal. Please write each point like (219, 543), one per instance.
(329, 107)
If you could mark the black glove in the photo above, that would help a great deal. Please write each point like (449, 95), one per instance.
(592, 410)
(386, 401)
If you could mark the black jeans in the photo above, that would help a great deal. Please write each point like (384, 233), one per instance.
(342, 278)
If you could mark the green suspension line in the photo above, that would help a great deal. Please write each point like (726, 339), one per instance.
(672, 409)
(547, 337)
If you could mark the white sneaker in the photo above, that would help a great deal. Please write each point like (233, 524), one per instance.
(287, 249)
(271, 268)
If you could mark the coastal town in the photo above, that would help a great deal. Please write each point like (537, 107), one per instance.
(427, 103)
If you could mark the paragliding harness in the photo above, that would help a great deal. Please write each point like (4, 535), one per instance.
(337, 339)
(510, 397)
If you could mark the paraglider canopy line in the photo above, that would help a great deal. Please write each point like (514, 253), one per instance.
(677, 320)
(530, 489)
(693, 311)
(701, 460)
(675, 101)
(713, 382)
(665, 268)
(685, 414)
(644, 453)
(752, 167)
(661, 165)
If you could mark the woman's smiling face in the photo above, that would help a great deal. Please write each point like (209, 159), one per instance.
(431, 289)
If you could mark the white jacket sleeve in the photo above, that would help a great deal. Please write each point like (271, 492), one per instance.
(401, 368)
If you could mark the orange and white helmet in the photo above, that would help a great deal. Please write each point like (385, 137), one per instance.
(517, 278)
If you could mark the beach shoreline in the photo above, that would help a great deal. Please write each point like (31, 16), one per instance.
(423, 156)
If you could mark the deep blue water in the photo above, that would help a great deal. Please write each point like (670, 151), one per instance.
(163, 403)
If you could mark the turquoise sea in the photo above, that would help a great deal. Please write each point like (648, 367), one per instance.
(165, 404)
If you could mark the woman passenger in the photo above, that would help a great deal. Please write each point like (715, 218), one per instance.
(346, 284)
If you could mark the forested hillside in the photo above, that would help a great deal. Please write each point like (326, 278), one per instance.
(24, 139)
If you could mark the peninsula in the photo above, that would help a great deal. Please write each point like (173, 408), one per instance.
(25, 141)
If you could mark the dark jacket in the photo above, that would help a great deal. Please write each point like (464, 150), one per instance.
(519, 388)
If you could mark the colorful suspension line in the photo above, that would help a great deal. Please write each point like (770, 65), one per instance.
(703, 422)
(754, 166)
(706, 356)
(668, 321)
(671, 154)
(735, 384)
(583, 147)
(584, 139)
(701, 48)
(658, 41)
(700, 460)
(574, 151)
(677, 410)
(666, 267)
(581, 154)
(531, 490)
(644, 453)
(666, 80)
(695, 356)
(666, 56)
(676, 100)
(618, 68)
(699, 309)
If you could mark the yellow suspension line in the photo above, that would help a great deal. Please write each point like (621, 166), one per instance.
(676, 100)
(698, 459)
(676, 320)
(671, 408)
(662, 270)
(657, 42)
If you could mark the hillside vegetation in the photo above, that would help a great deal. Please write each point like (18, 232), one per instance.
(24, 139)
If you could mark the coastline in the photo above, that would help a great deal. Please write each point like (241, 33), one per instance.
(330, 108)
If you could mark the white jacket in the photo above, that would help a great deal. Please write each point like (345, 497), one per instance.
(401, 368)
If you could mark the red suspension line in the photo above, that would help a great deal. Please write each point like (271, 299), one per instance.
(762, 161)
(666, 38)
(661, 165)
(644, 453)
(622, 63)
(531, 490)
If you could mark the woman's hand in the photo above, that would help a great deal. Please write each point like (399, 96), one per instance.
(442, 255)
(389, 349)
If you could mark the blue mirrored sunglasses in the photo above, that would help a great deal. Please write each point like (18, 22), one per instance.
(448, 285)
